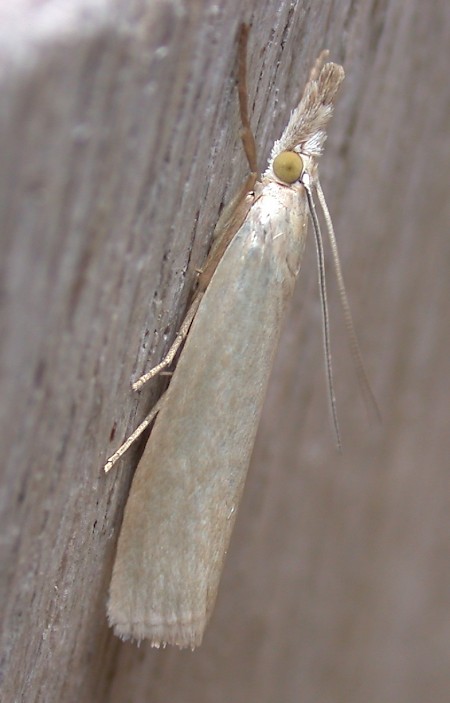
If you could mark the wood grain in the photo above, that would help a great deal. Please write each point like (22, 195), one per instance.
(119, 143)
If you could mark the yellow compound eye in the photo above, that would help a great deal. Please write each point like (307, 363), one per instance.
(288, 166)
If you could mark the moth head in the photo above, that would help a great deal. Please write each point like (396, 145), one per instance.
(288, 166)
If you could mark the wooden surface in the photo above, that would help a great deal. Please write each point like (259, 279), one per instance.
(119, 143)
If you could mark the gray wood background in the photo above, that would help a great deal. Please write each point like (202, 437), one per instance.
(119, 144)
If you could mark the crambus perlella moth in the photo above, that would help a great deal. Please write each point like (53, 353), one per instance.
(183, 500)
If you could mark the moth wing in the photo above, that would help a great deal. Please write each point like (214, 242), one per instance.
(182, 505)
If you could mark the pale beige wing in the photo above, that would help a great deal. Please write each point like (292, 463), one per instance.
(188, 484)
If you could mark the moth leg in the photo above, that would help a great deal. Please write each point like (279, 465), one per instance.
(133, 437)
(178, 341)
(248, 139)
(229, 223)
(231, 219)
(181, 336)
(234, 214)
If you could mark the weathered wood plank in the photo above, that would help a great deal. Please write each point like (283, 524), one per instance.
(119, 142)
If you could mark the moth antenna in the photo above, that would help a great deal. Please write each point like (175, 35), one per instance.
(355, 349)
(324, 305)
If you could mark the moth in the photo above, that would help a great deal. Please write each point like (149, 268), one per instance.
(187, 487)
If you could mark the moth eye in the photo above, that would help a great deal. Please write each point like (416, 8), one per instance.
(288, 166)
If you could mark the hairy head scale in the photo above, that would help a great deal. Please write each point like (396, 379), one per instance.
(305, 131)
